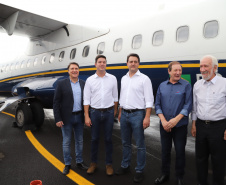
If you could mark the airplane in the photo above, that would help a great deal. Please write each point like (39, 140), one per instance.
(183, 35)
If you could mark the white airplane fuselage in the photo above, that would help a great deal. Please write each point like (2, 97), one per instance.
(157, 42)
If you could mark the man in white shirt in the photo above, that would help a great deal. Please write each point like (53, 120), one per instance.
(100, 106)
(209, 121)
(136, 101)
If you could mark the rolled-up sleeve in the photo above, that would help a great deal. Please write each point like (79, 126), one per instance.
(148, 93)
(158, 109)
(87, 93)
(188, 101)
(115, 90)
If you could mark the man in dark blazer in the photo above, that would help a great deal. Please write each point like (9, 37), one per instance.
(69, 115)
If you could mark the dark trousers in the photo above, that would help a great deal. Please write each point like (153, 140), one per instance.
(210, 142)
(102, 120)
(179, 136)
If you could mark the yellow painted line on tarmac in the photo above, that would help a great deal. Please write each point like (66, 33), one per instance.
(8, 114)
(53, 160)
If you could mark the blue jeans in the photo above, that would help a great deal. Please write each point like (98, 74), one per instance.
(102, 120)
(132, 123)
(179, 136)
(77, 126)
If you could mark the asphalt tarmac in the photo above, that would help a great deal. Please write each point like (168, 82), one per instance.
(21, 161)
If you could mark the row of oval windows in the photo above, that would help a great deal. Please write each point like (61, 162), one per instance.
(210, 31)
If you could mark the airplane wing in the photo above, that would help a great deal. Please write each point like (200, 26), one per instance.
(19, 22)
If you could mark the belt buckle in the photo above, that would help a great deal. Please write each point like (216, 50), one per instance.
(207, 121)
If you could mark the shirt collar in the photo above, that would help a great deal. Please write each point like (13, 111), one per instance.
(213, 81)
(137, 73)
(73, 82)
(96, 76)
(179, 81)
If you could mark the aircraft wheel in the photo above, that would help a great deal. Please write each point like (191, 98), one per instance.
(23, 115)
(38, 113)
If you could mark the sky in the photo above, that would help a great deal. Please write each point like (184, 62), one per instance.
(98, 13)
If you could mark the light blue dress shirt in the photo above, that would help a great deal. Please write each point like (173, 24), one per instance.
(76, 89)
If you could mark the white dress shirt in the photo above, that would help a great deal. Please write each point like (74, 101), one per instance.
(209, 99)
(136, 92)
(101, 92)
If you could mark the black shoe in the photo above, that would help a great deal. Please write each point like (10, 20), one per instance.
(66, 169)
(122, 171)
(162, 179)
(82, 166)
(179, 182)
(138, 177)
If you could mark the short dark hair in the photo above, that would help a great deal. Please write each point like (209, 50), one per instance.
(133, 55)
(99, 56)
(71, 64)
(172, 63)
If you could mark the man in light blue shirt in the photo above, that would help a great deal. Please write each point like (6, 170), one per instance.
(69, 115)
(173, 105)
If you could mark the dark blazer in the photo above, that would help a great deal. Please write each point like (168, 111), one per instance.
(63, 100)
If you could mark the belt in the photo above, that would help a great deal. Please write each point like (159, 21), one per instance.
(211, 122)
(104, 109)
(76, 113)
(131, 110)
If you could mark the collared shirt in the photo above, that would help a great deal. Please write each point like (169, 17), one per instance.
(76, 89)
(174, 99)
(209, 99)
(136, 92)
(101, 92)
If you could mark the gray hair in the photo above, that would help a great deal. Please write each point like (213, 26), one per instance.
(213, 59)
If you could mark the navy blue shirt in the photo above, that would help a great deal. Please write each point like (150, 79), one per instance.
(174, 99)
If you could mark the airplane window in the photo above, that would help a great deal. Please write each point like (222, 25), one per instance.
(43, 59)
(85, 52)
(52, 58)
(17, 65)
(61, 56)
(73, 53)
(23, 65)
(182, 34)
(12, 67)
(118, 45)
(211, 29)
(158, 38)
(36, 62)
(3, 68)
(100, 48)
(28, 63)
(7, 67)
(137, 40)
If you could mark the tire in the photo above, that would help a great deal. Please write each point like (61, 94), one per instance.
(23, 115)
(38, 113)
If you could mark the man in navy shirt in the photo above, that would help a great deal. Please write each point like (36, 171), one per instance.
(173, 105)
